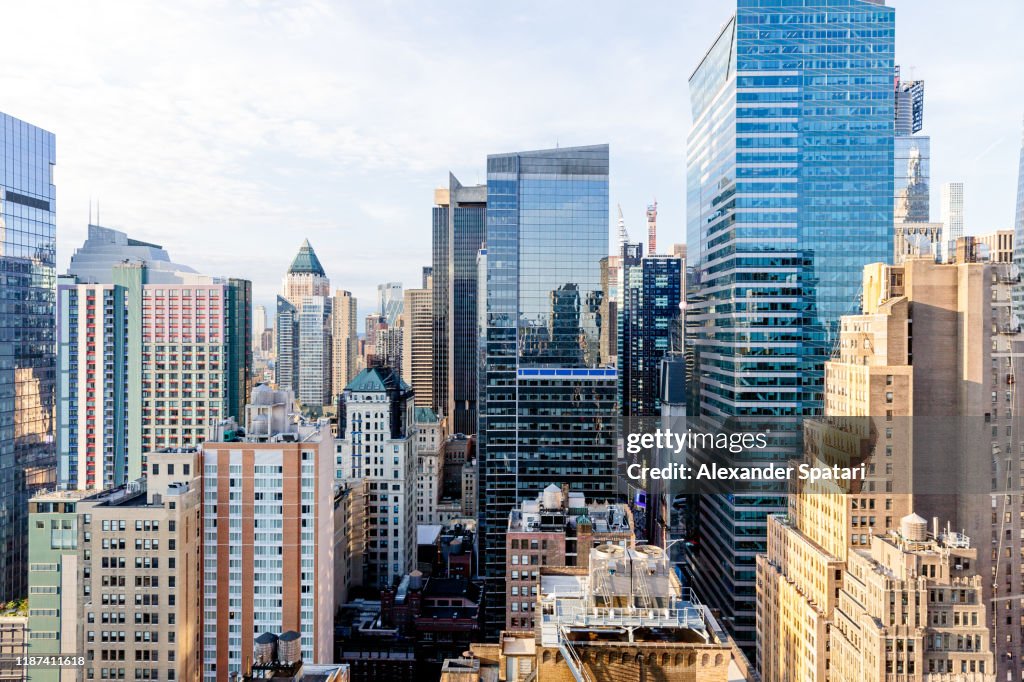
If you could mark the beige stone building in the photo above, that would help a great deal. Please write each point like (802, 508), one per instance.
(911, 607)
(140, 587)
(418, 344)
(1000, 245)
(921, 391)
(344, 339)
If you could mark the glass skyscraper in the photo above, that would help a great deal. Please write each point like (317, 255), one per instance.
(789, 195)
(459, 219)
(547, 406)
(651, 291)
(27, 370)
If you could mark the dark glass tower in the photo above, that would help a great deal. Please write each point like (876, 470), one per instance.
(547, 407)
(28, 455)
(460, 229)
(651, 291)
(789, 195)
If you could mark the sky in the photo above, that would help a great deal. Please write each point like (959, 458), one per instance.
(228, 132)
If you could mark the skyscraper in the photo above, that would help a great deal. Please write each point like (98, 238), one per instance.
(259, 324)
(547, 408)
(268, 535)
(459, 219)
(345, 337)
(315, 350)
(390, 301)
(952, 217)
(304, 330)
(652, 289)
(417, 345)
(147, 357)
(652, 229)
(376, 437)
(790, 194)
(27, 260)
(912, 154)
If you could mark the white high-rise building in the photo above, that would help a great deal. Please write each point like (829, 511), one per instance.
(375, 447)
(952, 215)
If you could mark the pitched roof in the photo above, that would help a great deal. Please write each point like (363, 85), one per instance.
(376, 380)
(425, 415)
(306, 261)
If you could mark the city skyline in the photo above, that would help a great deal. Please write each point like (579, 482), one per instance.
(185, 149)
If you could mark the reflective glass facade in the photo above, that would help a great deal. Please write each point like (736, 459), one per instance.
(547, 408)
(790, 193)
(912, 178)
(459, 230)
(27, 350)
(650, 311)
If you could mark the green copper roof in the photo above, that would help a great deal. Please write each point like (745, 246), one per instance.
(425, 415)
(376, 379)
(306, 261)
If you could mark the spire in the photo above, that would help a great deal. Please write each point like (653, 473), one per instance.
(306, 261)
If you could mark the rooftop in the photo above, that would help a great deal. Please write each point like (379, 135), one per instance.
(376, 380)
(306, 262)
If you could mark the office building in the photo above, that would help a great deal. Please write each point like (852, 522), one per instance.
(652, 229)
(428, 449)
(418, 345)
(911, 183)
(912, 159)
(999, 245)
(648, 325)
(909, 105)
(389, 347)
(459, 222)
(153, 526)
(390, 301)
(556, 529)
(143, 365)
(259, 325)
(27, 377)
(779, 131)
(286, 330)
(376, 439)
(304, 329)
(305, 276)
(345, 339)
(952, 217)
(911, 605)
(921, 391)
(547, 406)
(314, 351)
(268, 544)
(123, 560)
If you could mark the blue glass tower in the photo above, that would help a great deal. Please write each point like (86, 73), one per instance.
(27, 347)
(649, 317)
(547, 406)
(789, 195)
(459, 219)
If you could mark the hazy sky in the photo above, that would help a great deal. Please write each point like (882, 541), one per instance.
(228, 132)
